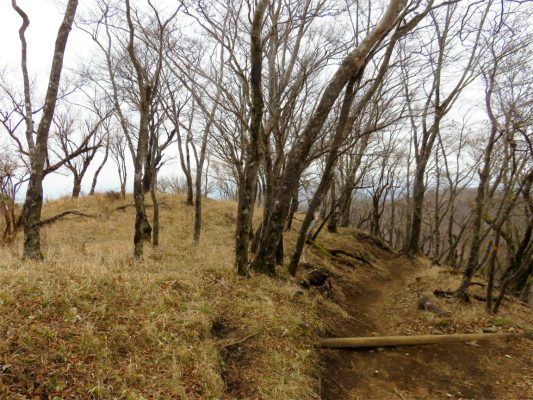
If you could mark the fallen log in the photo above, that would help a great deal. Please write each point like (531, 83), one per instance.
(358, 342)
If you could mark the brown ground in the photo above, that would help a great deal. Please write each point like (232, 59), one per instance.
(387, 307)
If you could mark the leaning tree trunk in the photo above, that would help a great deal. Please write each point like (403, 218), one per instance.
(292, 210)
(484, 177)
(343, 126)
(34, 194)
(350, 66)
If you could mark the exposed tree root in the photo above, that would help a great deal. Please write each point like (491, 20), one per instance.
(124, 207)
(465, 296)
(325, 253)
(377, 241)
(64, 213)
(352, 255)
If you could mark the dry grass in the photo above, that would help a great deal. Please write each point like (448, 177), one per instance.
(471, 317)
(89, 322)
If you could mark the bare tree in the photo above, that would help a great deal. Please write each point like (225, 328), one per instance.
(248, 189)
(37, 141)
(143, 40)
(362, 54)
(66, 135)
(117, 147)
(449, 28)
(12, 176)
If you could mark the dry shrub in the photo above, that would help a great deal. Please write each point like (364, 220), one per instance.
(113, 195)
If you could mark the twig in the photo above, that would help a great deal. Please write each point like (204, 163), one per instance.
(88, 315)
(399, 394)
(221, 281)
(242, 340)
(360, 322)
(122, 208)
(342, 387)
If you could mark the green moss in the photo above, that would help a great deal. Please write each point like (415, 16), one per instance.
(503, 322)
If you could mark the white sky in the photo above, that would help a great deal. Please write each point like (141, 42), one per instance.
(45, 17)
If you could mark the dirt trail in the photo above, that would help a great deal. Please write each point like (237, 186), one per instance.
(446, 371)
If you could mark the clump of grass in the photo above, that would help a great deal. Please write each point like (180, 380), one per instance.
(503, 322)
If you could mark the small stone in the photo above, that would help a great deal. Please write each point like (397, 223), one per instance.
(381, 349)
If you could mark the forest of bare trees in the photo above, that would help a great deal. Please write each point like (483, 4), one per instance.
(410, 120)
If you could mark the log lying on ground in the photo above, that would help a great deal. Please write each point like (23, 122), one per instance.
(358, 342)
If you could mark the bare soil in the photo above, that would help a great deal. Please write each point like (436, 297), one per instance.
(387, 307)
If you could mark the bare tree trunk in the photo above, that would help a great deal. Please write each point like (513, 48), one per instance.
(34, 194)
(292, 211)
(95, 178)
(340, 134)
(248, 190)
(186, 166)
(484, 177)
(332, 223)
(76, 188)
(418, 203)
(142, 227)
(155, 224)
(201, 160)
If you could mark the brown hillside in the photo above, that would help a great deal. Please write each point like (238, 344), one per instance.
(89, 322)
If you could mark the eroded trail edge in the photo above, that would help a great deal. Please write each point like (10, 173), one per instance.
(387, 306)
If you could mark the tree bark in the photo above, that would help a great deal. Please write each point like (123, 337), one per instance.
(76, 188)
(142, 227)
(484, 177)
(332, 222)
(338, 139)
(248, 189)
(155, 224)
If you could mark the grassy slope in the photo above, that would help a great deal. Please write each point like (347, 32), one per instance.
(89, 320)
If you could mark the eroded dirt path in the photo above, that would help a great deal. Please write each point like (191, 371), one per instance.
(446, 371)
